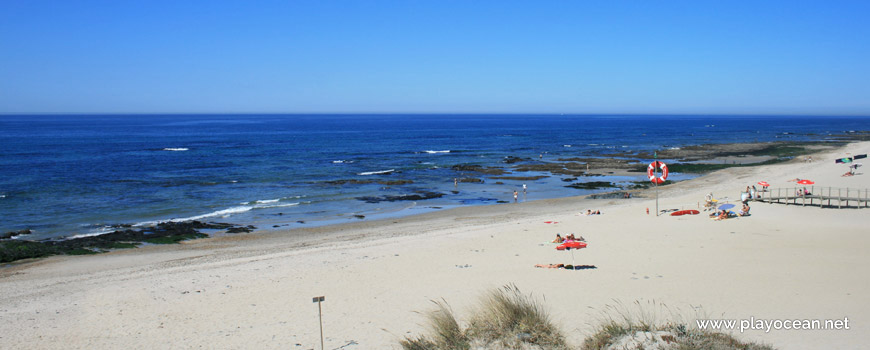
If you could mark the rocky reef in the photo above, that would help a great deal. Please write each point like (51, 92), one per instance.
(162, 233)
(418, 196)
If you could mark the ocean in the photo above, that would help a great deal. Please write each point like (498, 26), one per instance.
(72, 175)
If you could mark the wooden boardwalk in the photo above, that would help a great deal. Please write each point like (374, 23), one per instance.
(830, 197)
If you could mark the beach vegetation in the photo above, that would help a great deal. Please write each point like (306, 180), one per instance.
(652, 325)
(445, 331)
(505, 319)
(508, 319)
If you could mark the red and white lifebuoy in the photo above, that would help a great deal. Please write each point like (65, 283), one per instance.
(651, 172)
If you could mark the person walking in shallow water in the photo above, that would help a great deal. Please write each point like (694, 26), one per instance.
(515, 196)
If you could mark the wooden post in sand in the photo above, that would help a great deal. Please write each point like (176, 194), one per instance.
(319, 300)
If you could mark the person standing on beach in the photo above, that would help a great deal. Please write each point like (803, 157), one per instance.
(515, 196)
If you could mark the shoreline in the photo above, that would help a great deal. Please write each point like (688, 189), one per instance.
(696, 159)
(254, 290)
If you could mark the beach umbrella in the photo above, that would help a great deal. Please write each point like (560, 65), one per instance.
(764, 183)
(571, 246)
(805, 182)
(726, 206)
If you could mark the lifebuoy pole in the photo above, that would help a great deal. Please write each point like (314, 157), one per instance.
(656, 174)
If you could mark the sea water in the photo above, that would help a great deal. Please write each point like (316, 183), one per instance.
(69, 175)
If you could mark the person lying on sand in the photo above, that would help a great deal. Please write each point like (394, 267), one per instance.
(722, 216)
(571, 238)
(550, 266)
(558, 239)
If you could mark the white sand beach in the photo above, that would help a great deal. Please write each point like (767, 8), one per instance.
(254, 291)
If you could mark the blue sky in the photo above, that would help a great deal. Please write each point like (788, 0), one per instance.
(787, 57)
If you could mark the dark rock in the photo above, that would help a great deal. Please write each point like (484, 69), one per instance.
(520, 178)
(592, 185)
(570, 168)
(479, 169)
(11, 234)
(359, 216)
(241, 229)
(419, 196)
(513, 159)
(162, 233)
(16, 250)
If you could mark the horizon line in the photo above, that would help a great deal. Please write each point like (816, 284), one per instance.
(427, 113)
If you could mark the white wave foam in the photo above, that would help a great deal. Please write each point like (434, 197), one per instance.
(2, 196)
(267, 201)
(566, 146)
(176, 149)
(435, 152)
(99, 232)
(221, 213)
(377, 172)
(342, 161)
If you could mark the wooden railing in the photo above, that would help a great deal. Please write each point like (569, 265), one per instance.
(834, 196)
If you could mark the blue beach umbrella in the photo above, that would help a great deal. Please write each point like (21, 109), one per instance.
(726, 206)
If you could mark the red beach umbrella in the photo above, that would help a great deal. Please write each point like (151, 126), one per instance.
(571, 245)
(805, 182)
(764, 183)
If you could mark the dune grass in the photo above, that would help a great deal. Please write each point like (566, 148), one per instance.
(505, 319)
(508, 319)
(651, 325)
